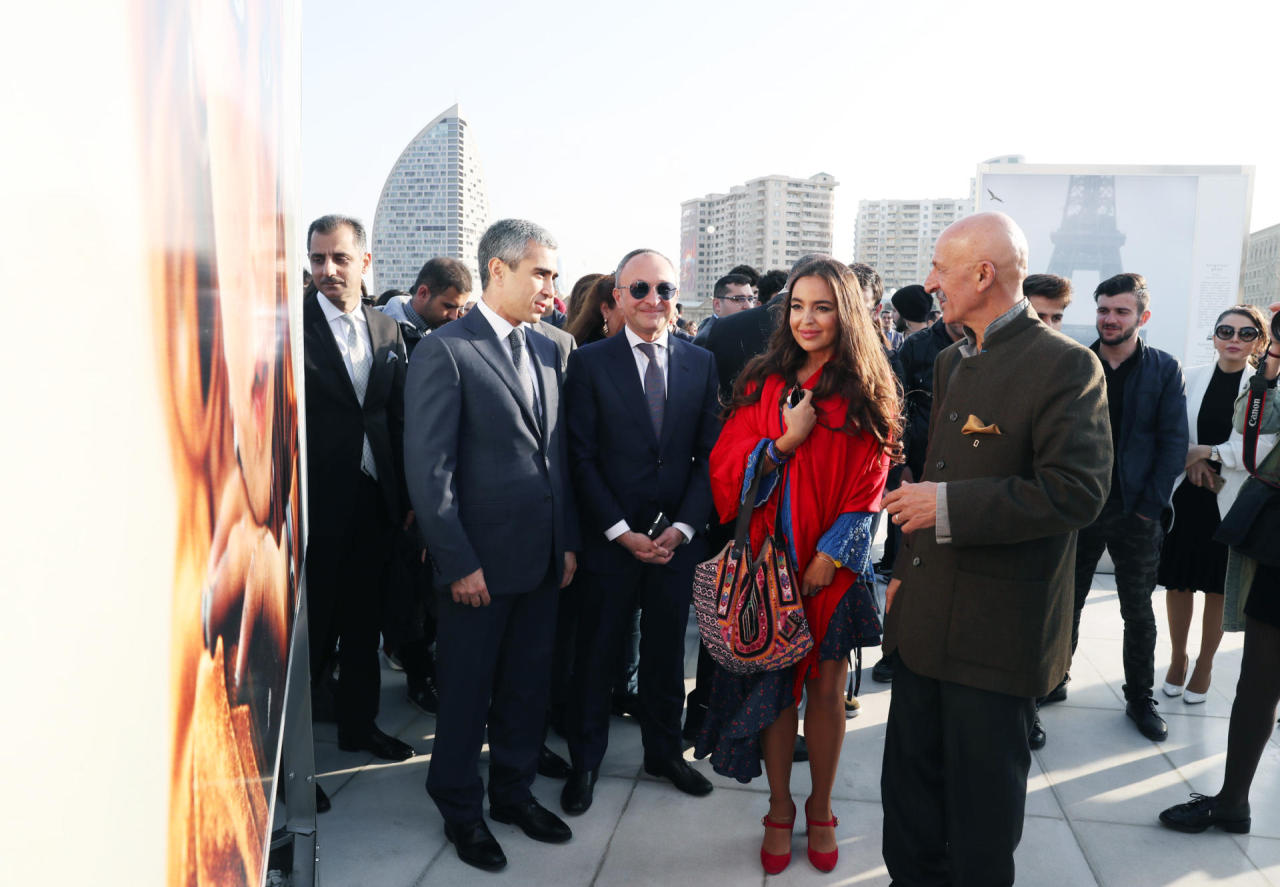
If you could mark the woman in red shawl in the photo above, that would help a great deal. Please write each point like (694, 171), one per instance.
(830, 453)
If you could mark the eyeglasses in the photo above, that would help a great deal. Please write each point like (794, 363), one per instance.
(736, 299)
(1226, 331)
(640, 289)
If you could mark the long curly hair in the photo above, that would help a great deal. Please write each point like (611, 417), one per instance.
(858, 371)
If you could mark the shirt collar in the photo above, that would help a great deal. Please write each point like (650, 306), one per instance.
(500, 326)
(633, 340)
(332, 312)
(968, 347)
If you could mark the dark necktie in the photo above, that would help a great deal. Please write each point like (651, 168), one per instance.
(655, 389)
(516, 338)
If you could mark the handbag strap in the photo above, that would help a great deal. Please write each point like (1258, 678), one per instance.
(743, 524)
(1255, 407)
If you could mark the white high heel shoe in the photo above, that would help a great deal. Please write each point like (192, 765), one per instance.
(1191, 697)
(1171, 690)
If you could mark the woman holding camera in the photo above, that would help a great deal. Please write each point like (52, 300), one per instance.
(1251, 602)
(818, 410)
(1190, 559)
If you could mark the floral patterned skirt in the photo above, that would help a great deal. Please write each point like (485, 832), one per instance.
(743, 705)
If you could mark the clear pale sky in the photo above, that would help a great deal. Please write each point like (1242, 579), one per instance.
(598, 119)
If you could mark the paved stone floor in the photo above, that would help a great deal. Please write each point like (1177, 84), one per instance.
(1093, 795)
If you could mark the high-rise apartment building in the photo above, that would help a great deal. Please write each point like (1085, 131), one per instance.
(1262, 268)
(769, 222)
(896, 237)
(433, 203)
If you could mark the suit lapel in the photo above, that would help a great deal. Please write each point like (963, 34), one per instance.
(494, 353)
(327, 357)
(680, 388)
(546, 358)
(626, 379)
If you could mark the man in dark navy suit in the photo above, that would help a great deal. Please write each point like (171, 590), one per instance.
(642, 414)
(486, 462)
(355, 366)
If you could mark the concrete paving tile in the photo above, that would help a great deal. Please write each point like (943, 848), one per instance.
(1041, 801)
(1049, 854)
(1150, 856)
(1264, 853)
(1102, 769)
(381, 822)
(528, 862)
(1089, 688)
(665, 837)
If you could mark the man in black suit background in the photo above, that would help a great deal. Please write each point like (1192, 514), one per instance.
(355, 371)
(486, 464)
(642, 415)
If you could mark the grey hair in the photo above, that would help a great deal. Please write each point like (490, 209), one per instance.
(617, 274)
(508, 240)
(332, 222)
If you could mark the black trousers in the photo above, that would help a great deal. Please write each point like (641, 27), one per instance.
(346, 588)
(1134, 545)
(493, 666)
(663, 594)
(953, 783)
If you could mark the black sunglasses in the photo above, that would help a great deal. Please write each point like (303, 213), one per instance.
(1226, 331)
(640, 289)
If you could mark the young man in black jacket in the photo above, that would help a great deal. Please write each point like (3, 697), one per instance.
(1147, 402)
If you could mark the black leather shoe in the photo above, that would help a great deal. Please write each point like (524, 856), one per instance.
(476, 845)
(882, 673)
(323, 804)
(682, 776)
(383, 746)
(625, 705)
(1057, 694)
(534, 820)
(1036, 738)
(1201, 812)
(1143, 713)
(424, 696)
(551, 765)
(579, 791)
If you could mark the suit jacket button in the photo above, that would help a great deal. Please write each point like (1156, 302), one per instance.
(941, 464)
(915, 562)
(659, 463)
(954, 416)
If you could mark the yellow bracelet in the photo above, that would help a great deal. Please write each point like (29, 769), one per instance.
(830, 558)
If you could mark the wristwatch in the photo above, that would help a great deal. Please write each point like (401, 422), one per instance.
(1214, 454)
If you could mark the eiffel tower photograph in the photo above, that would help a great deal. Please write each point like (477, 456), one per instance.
(1087, 238)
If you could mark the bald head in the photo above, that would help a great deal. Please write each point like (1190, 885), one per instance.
(978, 267)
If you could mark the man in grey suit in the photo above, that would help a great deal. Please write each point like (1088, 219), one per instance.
(485, 462)
(980, 605)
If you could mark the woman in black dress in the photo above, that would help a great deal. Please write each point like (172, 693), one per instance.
(1190, 560)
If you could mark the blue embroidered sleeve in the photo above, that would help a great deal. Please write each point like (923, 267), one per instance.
(849, 540)
(767, 484)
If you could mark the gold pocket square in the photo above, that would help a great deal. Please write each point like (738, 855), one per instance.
(973, 425)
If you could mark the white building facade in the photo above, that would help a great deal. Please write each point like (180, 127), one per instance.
(433, 203)
(1262, 268)
(769, 222)
(897, 237)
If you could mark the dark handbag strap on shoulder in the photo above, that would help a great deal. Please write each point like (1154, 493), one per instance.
(743, 524)
(1254, 410)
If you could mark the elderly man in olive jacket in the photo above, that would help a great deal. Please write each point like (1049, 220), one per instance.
(980, 608)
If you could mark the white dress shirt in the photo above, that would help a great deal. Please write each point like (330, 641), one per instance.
(338, 327)
(333, 314)
(503, 330)
(661, 350)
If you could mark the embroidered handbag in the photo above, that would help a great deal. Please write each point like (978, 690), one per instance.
(749, 609)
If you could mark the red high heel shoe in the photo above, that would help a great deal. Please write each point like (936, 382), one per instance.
(775, 862)
(823, 862)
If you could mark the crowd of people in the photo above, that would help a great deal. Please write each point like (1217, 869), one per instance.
(509, 494)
